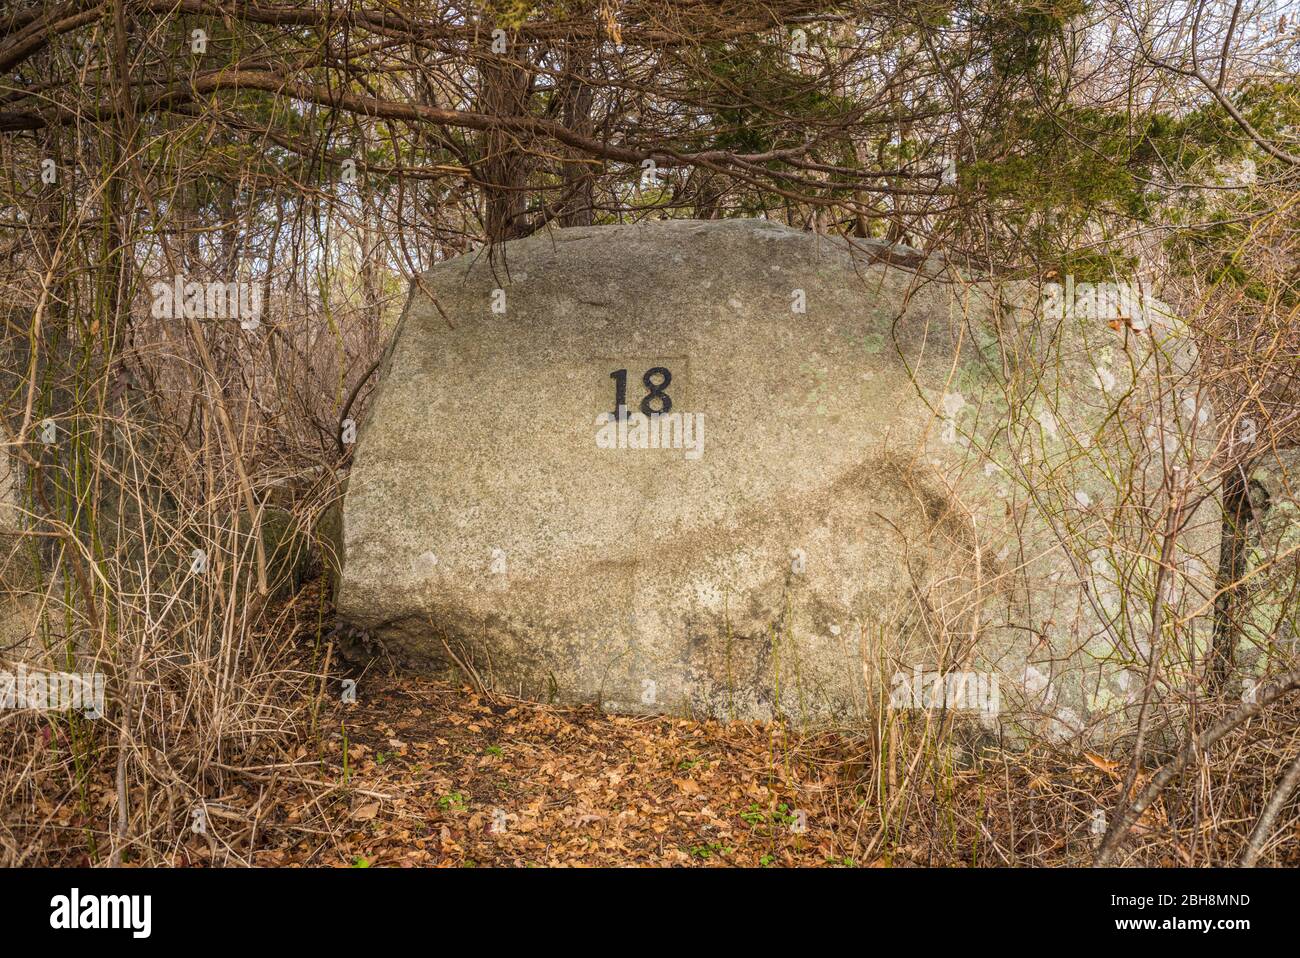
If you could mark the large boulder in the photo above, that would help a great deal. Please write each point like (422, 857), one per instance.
(879, 470)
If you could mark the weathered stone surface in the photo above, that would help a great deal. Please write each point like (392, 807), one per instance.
(1270, 633)
(32, 631)
(899, 471)
(19, 583)
(10, 502)
(287, 546)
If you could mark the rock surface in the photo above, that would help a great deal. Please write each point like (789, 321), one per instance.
(1270, 637)
(20, 585)
(895, 472)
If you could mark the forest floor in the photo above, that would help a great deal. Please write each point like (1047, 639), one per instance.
(438, 775)
(420, 773)
(427, 774)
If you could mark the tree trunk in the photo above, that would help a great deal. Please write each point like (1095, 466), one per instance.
(578, 199)
(506, 88)
(1237, 513)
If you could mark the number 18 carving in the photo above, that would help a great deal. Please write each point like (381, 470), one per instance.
(654, 391)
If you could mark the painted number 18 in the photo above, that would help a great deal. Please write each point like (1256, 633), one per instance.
(655, 380)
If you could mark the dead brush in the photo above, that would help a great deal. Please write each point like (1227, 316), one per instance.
(195, 610)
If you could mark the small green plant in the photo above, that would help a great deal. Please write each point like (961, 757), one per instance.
(755, 816)
(454, 802)
(495, 750)
(361, 862)
(783, 815)
(705, 852)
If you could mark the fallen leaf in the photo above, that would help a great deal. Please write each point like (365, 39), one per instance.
(1105, 765)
